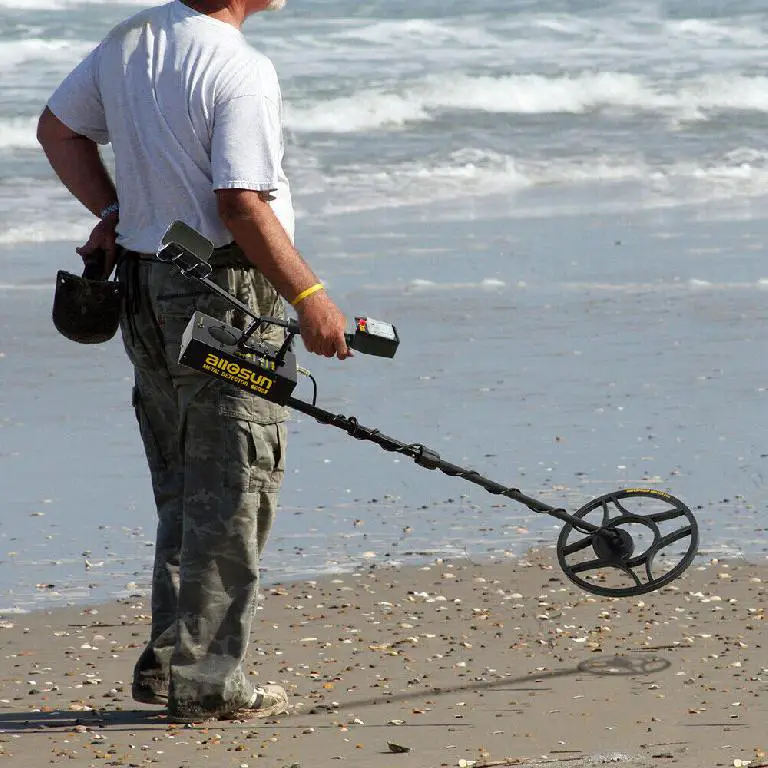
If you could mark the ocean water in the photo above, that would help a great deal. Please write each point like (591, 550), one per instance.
(624, 103)
(560, 204)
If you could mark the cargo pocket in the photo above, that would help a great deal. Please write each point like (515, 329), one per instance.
(254, 443)
(155, 459)
(180, 296)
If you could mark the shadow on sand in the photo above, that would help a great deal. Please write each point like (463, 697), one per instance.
(132, 719)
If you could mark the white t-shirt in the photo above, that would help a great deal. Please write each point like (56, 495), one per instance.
(189, 107)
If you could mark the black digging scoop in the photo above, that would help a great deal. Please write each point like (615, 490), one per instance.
(86, 308)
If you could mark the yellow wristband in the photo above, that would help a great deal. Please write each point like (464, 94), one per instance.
(308, 292)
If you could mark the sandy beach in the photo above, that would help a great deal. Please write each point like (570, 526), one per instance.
(561, 206)
(426, 637)
(454, 663)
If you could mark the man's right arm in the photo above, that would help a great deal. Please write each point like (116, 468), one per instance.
(258, 231)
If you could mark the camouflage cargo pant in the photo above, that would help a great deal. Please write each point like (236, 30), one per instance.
(216, 457)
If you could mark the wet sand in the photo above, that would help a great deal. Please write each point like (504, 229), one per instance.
(567, 357)
(455, 663)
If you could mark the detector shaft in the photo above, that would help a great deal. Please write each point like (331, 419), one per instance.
(426, 457)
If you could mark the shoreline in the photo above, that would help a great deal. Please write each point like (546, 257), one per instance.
(500, 663)
(566, 359)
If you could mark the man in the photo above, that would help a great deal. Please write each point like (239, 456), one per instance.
(193, 114)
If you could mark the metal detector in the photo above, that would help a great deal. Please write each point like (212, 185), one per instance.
(610, 546)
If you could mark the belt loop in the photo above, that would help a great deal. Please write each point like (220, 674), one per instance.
(128, 263)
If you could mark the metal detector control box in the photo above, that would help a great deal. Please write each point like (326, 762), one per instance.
(211, 346)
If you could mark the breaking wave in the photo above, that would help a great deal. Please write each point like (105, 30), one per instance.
(694, 99)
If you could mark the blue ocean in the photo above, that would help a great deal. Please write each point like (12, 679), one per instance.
(618, 104)
(560, 204)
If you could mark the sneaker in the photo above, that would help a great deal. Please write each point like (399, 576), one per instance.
(267, 701)
(154, 692)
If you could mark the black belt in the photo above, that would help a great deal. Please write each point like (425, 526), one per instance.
(230, 255)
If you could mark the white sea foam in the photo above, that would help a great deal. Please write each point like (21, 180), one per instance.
(46, 230)
(695, 99)
(638, 37)
(18, 133)
(531, 94)
(467, 175)
(361, 112)
(474, 173)
(688, 286)
(711, 32)
(64, 5)
(18, 54)
(424, 32)
(25, 286)
(487, 284)
(624, 171)
(633, 33)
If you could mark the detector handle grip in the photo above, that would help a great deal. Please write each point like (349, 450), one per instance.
(294, 328)
(382, 342)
